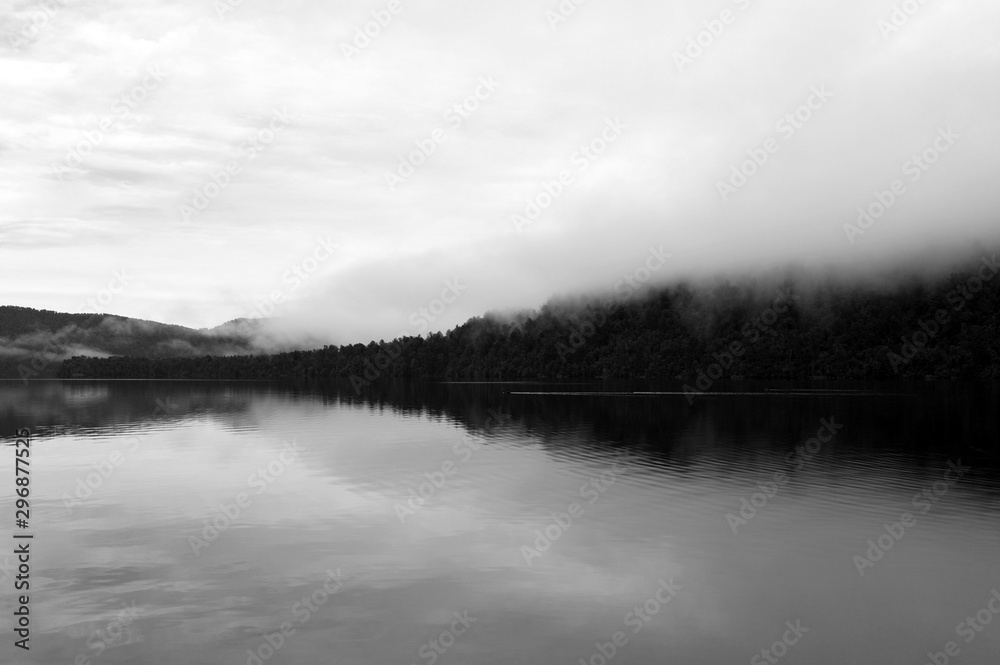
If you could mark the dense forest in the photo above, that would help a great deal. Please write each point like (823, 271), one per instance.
(947, 328)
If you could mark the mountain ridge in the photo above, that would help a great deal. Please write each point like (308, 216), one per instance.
(943, 327)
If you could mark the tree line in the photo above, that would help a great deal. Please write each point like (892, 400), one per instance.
(832, 331)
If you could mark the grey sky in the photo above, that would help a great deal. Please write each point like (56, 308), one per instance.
(117, 116)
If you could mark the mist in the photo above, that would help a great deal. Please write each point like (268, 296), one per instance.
(819, 137)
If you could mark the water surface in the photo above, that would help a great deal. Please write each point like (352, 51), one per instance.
(227, 507)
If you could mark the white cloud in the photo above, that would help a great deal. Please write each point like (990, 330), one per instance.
(352, 120)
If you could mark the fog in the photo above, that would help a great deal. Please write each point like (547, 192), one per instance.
(592, 142)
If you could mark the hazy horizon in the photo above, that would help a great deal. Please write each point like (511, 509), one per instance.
(278, 334)
(119, 118)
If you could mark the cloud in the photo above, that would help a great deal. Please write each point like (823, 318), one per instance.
(353, 120)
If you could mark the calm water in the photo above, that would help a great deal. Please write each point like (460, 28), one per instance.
(557, 524)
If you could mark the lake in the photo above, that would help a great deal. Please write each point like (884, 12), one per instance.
(446, 523)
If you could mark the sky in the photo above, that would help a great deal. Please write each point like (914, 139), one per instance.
(192, 163)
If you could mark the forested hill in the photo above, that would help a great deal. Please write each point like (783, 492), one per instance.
(945, 329)
(33, 342)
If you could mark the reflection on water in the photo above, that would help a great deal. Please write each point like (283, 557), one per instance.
(462, 523)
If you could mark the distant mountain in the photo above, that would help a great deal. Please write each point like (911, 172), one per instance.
(940, 326)
(238, 327)
(34, 342)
